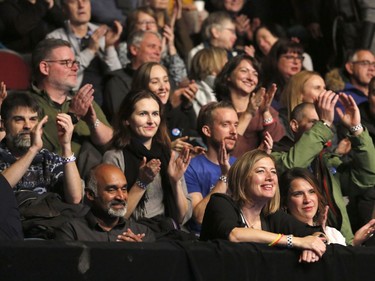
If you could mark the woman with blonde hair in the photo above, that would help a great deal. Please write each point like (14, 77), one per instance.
(251, 212)
(205, 66)
(305, 86)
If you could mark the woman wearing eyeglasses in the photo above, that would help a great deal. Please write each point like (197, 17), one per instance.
(282, 62)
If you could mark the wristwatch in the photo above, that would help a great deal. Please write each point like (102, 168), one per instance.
(74, 117)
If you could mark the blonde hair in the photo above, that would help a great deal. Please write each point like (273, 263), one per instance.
(239, 180)
(291, 97)
(207, 61)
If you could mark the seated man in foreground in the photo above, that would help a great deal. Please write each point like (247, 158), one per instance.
(107, 195)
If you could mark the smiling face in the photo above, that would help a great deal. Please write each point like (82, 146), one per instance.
(289, 64)
(302, 201)
(149, 50)
(159, 83)
(312, 88)
(145, 119)
(244, 78)
(262, 180)
(112, 194)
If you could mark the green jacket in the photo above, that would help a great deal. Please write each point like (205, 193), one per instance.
(81, 131)
(345, 178)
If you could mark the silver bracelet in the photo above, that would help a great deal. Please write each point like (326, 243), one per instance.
(289, 241)
(223, 178)
(69, 159)
(268, 120)
(356, 128)
(141, 184)
(96, 124)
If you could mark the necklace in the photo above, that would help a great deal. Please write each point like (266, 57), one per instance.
(246, 222)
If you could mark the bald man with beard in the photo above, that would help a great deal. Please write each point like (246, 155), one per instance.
(107, 195)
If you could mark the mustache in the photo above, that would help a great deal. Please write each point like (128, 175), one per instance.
(118, 202)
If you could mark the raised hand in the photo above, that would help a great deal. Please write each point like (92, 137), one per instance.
(351, 116)
(3, 92)
(96, 36)
(82, 101)
(64, 128)
(267, 143)
(223, 158)
(149, 170)
(113, 34)
(268, 98)
(325, 106)
(36, 134)
(178, 165)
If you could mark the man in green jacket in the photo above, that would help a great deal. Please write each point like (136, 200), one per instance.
(311, 125)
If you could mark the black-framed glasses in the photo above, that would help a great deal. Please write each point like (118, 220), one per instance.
(365, 63)
(67, 63)
(293, 58)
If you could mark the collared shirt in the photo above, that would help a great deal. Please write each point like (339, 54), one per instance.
(88, 229)
(44, 174)
(50, 137)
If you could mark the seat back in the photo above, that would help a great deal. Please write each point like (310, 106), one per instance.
(14, 70)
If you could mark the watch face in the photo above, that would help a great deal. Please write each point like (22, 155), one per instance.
(74, 117)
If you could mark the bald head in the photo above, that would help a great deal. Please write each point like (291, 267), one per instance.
(107, 191)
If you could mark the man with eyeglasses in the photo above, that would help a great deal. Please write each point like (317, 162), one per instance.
(55, 72)
(93, 45)
(359, 69)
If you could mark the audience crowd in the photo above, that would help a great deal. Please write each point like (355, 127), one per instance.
(248, 124)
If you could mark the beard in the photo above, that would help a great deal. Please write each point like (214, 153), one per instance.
(117, 212)
(21, 141)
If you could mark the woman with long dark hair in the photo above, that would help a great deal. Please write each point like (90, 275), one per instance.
(155, 177)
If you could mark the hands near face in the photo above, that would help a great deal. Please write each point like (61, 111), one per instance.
(36, 134)
(325, 106)
(129, 236)
(223, 158)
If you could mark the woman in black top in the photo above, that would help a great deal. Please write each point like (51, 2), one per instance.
(251, 213)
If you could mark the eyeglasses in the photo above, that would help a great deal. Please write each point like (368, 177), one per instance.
(293, 58)
(145, 22)
(365, 63)
(67, 63)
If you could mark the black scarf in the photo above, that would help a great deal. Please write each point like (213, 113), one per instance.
(133, 155)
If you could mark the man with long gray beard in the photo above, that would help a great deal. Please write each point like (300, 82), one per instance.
(107, 194)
